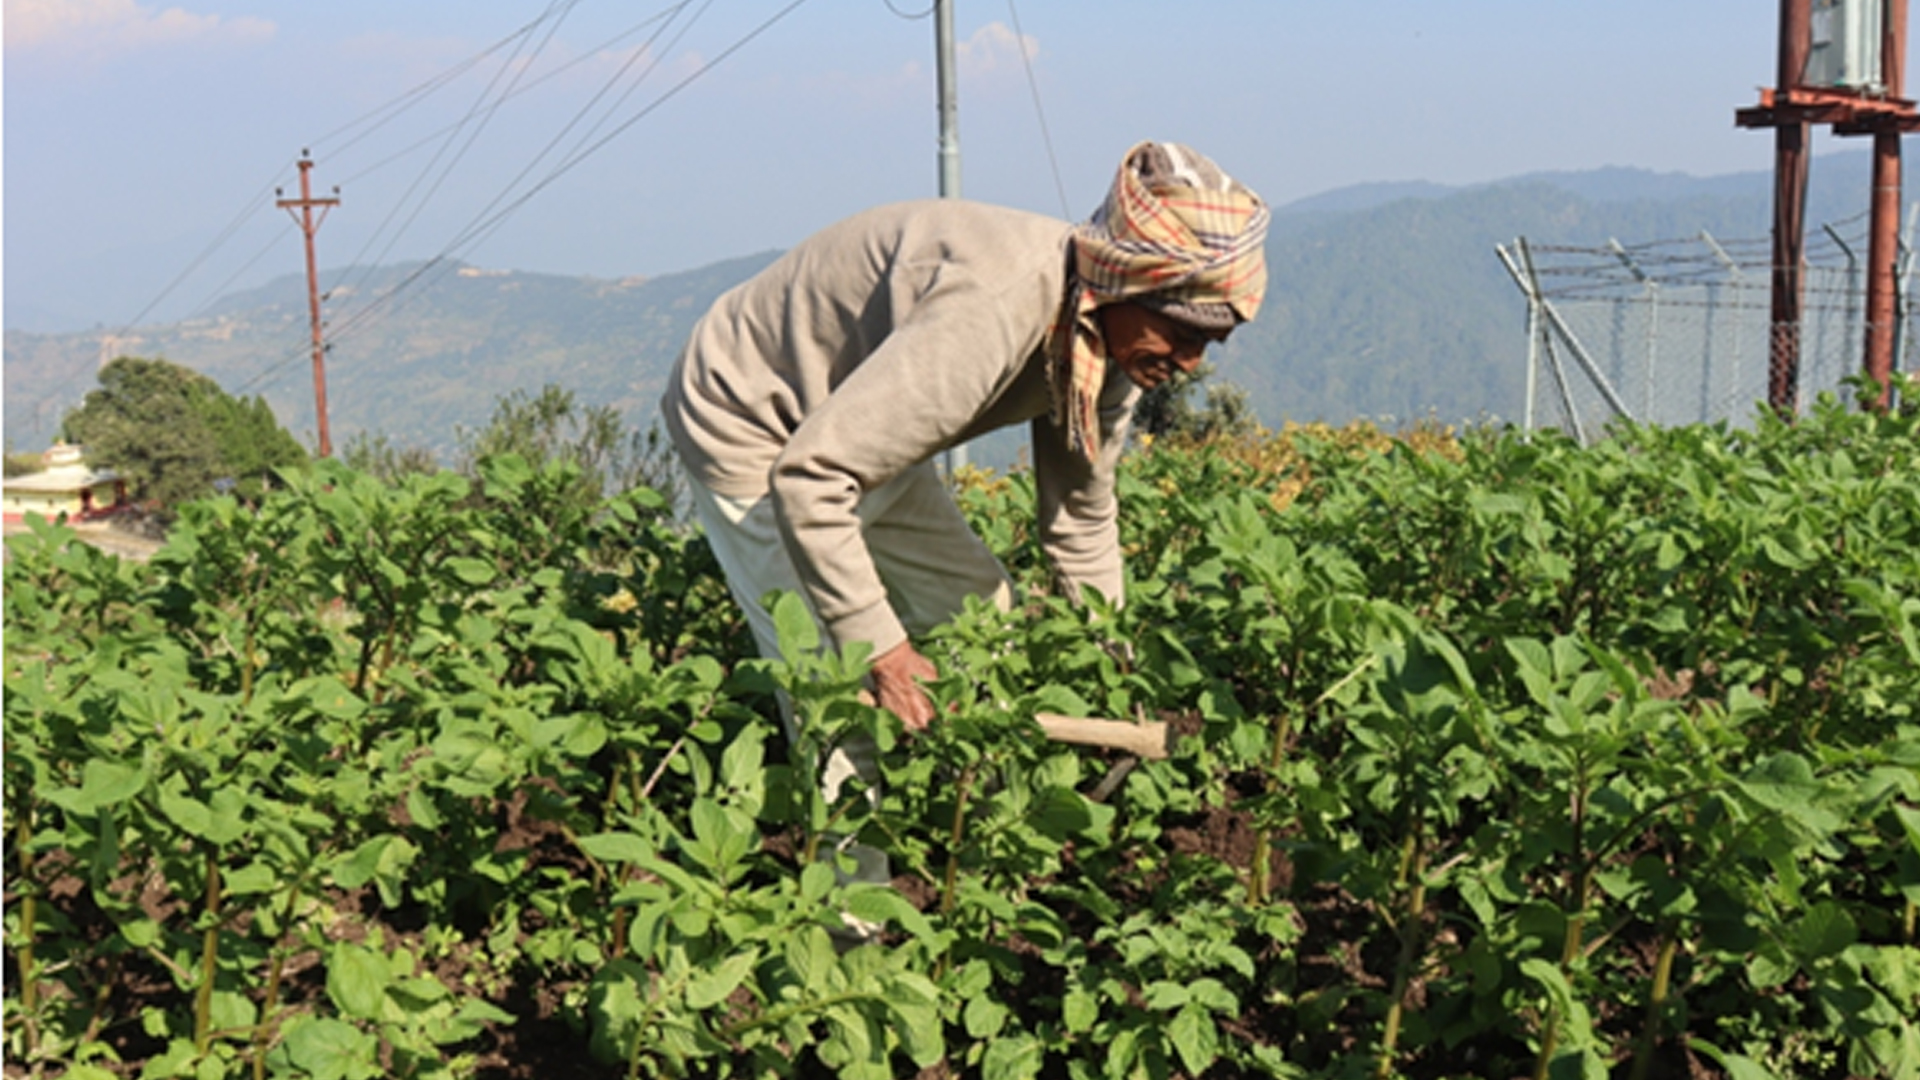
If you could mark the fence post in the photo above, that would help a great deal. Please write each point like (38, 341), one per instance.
(1739, 309)
(1653, 321)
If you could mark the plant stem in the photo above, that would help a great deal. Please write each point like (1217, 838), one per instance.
(1413, 875)
(263, 1032)
(955, 836)
(1656, 1004)
(1579, 887)
(1260, 882)
(246, 665)
(209, 959)
(29, 903)
(1549, 1041)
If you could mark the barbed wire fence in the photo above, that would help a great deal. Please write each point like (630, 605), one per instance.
(1679, 331)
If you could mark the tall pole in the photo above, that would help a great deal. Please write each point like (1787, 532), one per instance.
(308, 226)
(949, 140)
(949, 103)
(1884, 236)
(1789, 212)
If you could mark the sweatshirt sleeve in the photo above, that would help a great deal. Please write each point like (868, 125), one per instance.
(944, 361)
(1078, 513)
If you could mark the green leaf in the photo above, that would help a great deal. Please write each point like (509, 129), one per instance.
(231, 1011)
(1194, 1038)
(423, 811)
(176, 1060)
(715, 985)
(1078, 1010)
(251, 880)
(327, 1048)
(471, 571)
(616, 847)
(615, 1004)
(1016, 1058)
(140, 933)
(357, 979)
(816, 881)
(915, 1004)
(382, 860)
(1737, 1066)
(883, 904)
(1826, 930)
(799, 635)
(1535, 667)
(103, 783)
(984, 1017)
(1770, 967)
(188, 813)
(810, 955)
(1910, 823)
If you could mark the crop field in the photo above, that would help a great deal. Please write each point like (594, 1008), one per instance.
(1497, 757)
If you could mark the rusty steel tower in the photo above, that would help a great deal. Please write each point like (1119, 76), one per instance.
(1841, 64)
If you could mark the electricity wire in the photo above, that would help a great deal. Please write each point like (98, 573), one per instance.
(206, 253)
(387, 300)
(392, 108)
(1020, 39)
(481, 230)
(484, 109)
(909, 15)
(526, 87)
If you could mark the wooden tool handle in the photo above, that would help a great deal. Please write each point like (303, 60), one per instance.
(1148, 740)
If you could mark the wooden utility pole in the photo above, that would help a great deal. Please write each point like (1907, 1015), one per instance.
(1863, 103)
(308, 226)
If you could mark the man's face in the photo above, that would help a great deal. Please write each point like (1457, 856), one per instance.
(1148, 346)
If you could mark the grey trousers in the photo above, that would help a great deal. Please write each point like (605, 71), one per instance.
(927, 556)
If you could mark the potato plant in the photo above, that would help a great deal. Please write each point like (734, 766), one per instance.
(1498, 757)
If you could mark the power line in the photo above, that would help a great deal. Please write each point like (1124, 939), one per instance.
(481, 229)
(911, 15)
(391, 298)
(646, 50)
(1020, 38)
(484, 112)
(526, 87)
(198, 260)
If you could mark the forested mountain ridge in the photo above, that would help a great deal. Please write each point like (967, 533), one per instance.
(1386, 301)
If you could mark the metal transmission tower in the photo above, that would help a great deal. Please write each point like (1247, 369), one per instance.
(1842, 63)
(309, 225)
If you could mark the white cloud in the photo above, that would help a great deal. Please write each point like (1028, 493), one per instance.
(995, 48)
(101, 28)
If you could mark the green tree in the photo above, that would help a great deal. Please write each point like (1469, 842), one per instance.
(174, 434)
(20, 464)
(1168, 409)
(377, 455)
(554, 426)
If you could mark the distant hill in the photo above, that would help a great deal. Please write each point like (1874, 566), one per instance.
(434, 361)
(1386, 301)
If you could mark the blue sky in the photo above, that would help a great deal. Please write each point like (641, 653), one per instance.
(143, 141)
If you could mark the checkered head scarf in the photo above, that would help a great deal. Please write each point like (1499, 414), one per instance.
(1175, 234)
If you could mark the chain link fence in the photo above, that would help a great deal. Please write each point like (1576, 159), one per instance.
(1680, 331)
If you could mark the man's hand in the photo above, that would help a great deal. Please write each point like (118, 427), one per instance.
(895, 688)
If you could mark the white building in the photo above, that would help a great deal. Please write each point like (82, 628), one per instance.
(65, 488)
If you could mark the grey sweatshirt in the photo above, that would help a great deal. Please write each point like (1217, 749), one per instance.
(870, 347)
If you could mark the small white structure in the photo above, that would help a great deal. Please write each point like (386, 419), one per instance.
(66, 488)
